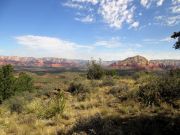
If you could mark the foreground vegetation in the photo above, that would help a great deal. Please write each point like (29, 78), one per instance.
(90, 104)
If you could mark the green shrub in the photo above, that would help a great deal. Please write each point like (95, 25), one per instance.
(121, 92)
(24, 83)
(160, 89)
(95, 70)
(111, 72)
(78, 87)
(175, 73)
(137, 75)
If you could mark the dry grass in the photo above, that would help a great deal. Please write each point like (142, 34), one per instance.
(99, 100)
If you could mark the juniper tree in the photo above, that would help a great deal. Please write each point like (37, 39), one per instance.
(6, 82)
(176, 35)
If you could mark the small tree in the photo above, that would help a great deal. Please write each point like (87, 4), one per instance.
(176, 35)
(95, 70)
(7, 82)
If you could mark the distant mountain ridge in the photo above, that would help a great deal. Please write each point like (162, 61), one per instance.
(40, 62)
(136, 62)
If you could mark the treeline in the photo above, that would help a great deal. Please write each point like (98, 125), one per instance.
(10, 85)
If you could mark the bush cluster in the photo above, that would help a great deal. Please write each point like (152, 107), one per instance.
(175, 73)
(9, 84)
(160, 89)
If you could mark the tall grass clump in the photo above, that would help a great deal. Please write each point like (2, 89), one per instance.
(16, 105)
(47, 109)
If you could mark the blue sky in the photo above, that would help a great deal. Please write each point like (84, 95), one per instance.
(82, 29)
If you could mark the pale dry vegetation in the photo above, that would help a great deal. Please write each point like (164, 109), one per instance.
(69, 103)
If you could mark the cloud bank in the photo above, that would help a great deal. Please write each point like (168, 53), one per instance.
(112, 49)
(116, 13)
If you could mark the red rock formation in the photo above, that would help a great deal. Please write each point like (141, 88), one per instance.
(139, 62)
(37, 62)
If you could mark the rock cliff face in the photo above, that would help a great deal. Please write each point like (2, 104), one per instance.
(166, 64)
(136, 62)
(39, 62)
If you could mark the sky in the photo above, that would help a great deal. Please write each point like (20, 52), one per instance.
(85, 29)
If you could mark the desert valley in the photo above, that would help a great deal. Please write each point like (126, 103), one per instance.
(89, 67)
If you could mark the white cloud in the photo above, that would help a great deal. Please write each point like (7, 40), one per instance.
(114, 12)
(175, 8)
(140, 14)
(148, 3)
(168, 20)
(94, 2)
(134, 25)
(43, 46)
(173, 17)
(117, 13)
(175, 2)
(158, 41)
(86, 19)
(112, 43)
(50, 46)
(159, 2)
(73, 5)
(43, 42)
(167, 39)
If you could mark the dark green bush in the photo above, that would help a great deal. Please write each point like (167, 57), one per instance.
(111, 72)
(6, 82)
(78, 87)
(142, 74)
(95, 70)
(9, 85)
(175, 73)
(160, 89)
